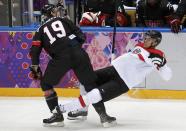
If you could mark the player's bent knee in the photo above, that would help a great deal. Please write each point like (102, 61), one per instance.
(49, 93)
(46, 86)
(92, 97)
(112, 92)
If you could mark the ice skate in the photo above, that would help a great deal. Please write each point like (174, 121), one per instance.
(56, 119)
(107, 121)
(77, 115)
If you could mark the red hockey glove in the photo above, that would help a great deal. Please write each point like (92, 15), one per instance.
(122, 19)
(36, 72)
(175, 25)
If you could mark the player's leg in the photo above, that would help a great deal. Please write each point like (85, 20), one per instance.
(103, 76)
(85, 74)
(107, 91)
(114, 86)
(80, 114)
(52, 101)
(111, 90)
(84, 71)
(52, 76)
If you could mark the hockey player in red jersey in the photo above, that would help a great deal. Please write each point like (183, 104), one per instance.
(125, 72)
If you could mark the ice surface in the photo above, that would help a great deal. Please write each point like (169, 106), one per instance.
(26, 114)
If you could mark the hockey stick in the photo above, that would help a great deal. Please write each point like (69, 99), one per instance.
(62, 4)
(114, 31)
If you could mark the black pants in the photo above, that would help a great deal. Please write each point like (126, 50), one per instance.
(110, 84)
(71, 58)
(77, 59)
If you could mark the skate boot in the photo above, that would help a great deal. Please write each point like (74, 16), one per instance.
(77, 115)
(55, 120)
(106, 120)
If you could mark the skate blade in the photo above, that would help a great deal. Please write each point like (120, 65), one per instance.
(109, 124)
(55, 124)
(82, 118)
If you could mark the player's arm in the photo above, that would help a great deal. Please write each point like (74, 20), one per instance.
(165, 72)
(76, 31)
(160, 63)
(35, 51)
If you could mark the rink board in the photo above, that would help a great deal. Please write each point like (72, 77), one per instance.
(15, 77)
(37, 92)
(157, 94)
(134, 93)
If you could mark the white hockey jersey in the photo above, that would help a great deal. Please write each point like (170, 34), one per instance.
(134, 66)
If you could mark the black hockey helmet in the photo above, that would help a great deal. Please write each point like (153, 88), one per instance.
(47, 9)
(155, 35)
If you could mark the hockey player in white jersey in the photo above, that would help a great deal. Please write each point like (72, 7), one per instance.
(125, 72)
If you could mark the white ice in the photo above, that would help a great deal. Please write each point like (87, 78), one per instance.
(26, 114)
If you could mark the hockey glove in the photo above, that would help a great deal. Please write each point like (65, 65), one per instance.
(157, 60)
(175, 24)
(36, 72)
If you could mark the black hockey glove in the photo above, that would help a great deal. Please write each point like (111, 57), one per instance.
(36, 72)
(157, 60)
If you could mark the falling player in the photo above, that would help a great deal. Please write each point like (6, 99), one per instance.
(125, 72)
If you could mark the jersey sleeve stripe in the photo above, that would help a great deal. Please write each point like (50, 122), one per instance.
(36, 43)
(141, 57)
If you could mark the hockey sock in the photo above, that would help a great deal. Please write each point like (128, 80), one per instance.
(99, 107)
(91, 97)
(83, 92)
(51, 99)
